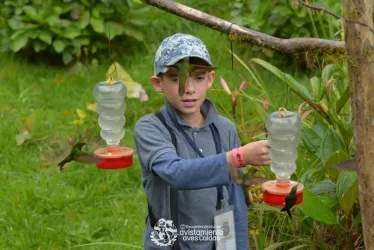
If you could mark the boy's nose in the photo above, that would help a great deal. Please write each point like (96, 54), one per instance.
(190, 86)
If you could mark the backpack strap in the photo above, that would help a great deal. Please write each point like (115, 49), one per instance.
(173, 191)
(162, 119)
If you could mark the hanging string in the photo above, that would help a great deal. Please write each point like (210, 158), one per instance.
(232, 51)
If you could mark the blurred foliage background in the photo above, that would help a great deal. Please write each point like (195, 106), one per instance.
(54, 52)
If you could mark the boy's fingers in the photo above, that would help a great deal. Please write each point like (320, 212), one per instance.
(266, 158)
(267, 162)
(266, 143)
(265, 151)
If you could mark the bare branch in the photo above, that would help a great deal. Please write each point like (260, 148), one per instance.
(239, 33)
(320, 9)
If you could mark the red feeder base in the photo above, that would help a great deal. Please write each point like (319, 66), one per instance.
(274, 192)
(114, 157)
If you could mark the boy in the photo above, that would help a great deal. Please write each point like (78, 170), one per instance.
(186, 157)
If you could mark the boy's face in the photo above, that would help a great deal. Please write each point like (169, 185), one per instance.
(197, 85)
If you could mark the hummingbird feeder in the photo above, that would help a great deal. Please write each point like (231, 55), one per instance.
(111, 108)
(283, 137)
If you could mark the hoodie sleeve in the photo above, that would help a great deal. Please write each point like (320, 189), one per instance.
(237, 199)
(157, 154)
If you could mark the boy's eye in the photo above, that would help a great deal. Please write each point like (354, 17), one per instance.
(200, 77)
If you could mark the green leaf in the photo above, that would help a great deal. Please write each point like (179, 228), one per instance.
(58, 10)
(316, 209)
(32, 14)
(19, 42)
(328, 72)
(88, 3)
(299, 89)
(71, 33)
(96, 12)
(45, 36)
(324, 186)
(59, 46)
(329, 145)
(311, 174)
(113, 29)
(134, 33)
(84, 19)
(349, 198)
(52, 20)
(15, 24)
(138, 22)
(67, 57)
(17, 33)
(318, 89)
(312, 140)
(343, 100)
(335, 158)
(39, 46)
(33, 33)
(347, 190)
(330, 200)
(97, 24)
(81, 42)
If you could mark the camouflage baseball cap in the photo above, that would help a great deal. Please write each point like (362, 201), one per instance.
(177, 47)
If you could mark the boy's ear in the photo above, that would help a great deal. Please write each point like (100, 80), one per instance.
(211, 76)
(156, 83)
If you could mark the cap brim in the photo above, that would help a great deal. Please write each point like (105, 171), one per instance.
(175, 60)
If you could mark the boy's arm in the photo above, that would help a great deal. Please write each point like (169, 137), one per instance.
(157, 153)
(237, 199)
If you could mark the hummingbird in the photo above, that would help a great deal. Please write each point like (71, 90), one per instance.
(184, 69)
(76, 154)
(348, 165)
(290, 200)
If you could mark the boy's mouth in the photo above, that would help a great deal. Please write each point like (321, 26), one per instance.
(189, 100)
(189, 103)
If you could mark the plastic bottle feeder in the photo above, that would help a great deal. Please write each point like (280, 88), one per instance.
(111, 108)
(283, 137)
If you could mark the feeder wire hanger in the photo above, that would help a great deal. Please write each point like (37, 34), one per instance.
(281, 110)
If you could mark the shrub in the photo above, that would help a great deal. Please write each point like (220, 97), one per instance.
(68, 27)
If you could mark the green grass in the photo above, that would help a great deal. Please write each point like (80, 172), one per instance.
(41, 207)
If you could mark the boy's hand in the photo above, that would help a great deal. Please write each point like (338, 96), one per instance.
(257, 153)
(254, 153)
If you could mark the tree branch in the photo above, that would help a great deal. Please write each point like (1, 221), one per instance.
(320, 9)
(238, 33)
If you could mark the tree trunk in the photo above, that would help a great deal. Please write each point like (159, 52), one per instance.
(360, 49)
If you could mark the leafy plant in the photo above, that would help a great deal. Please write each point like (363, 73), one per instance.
(69, 28)
(330, 196)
